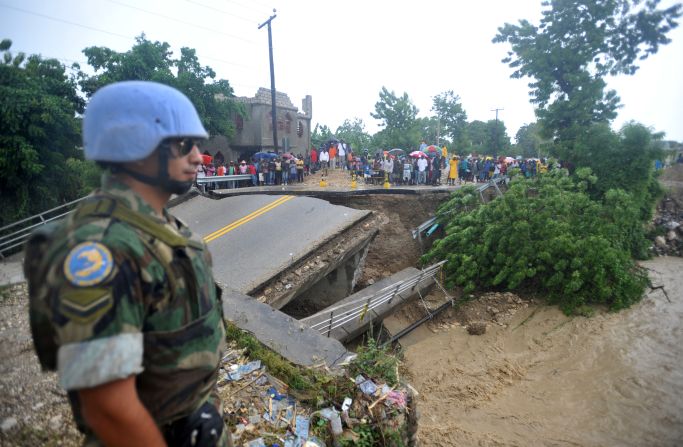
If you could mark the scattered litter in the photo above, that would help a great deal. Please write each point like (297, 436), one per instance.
(258, 442)
(262, 411)
(335, 421)
(397, 399)
(302, 424)
(367, 386)
(239, 371)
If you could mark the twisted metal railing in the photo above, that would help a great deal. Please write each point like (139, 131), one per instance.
(334, 317)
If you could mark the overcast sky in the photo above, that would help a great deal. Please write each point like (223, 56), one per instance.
(342, 52)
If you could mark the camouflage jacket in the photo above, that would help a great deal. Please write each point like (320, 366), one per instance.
(115, 300)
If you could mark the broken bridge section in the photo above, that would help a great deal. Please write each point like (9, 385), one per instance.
(254, 238)
(352, 316)
(290, 338)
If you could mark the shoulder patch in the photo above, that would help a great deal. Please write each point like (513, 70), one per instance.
(88, 264)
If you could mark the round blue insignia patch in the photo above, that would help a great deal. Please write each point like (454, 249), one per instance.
(88, 264)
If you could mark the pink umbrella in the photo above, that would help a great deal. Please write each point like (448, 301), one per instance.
(417, 154)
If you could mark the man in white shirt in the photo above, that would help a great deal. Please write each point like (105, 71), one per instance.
(341, 154)
(324, 160)
(421, 171)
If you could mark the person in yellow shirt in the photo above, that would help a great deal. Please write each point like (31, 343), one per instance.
(444, 152)
(542, 168)
(453, 171)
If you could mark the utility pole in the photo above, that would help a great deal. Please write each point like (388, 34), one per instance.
(495, 130)
(272, 78)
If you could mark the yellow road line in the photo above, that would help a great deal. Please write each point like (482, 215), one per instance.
(226, 229)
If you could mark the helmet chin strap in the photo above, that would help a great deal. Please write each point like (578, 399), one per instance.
(162, 180)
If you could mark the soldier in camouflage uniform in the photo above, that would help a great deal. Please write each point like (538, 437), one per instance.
(122, 298)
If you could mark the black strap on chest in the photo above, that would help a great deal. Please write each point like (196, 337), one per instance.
(103, 206)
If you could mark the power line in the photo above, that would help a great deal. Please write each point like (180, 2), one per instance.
(249, 6)
(181, 21)
(63, 21)
(92, 28)
(220, 10)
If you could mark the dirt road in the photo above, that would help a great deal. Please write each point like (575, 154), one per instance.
(538, 377)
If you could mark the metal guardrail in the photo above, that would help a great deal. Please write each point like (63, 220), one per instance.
(331, 318)
(223, 179)
(15, 234)
(427, 224)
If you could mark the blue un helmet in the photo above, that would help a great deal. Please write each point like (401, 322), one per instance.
(127, 121)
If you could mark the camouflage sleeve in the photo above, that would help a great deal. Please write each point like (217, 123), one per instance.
(98, 315)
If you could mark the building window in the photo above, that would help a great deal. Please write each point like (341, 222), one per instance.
(288, 123)
(239, 122)
(300, 129)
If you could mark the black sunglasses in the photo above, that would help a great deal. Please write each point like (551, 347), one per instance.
(186, 145)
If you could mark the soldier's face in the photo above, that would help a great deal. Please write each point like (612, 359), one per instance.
(182, 165)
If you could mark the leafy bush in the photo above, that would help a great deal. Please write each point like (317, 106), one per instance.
(548, 234)
(375, 362)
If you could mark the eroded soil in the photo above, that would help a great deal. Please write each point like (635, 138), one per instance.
(539, 377)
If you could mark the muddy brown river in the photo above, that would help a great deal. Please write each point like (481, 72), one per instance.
(546, 379)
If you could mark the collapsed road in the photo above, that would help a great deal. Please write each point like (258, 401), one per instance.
(252, 238)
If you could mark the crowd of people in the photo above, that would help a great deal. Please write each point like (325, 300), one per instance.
(428, 166)
(274, 169)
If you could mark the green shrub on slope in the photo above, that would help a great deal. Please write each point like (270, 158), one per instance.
(546, 234)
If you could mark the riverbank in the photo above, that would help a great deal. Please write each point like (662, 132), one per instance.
(538, 377)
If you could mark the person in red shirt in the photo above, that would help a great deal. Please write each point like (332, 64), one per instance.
(314, 159)
(252, 171)
(333, 156)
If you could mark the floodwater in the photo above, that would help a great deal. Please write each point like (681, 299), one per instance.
(615, 379)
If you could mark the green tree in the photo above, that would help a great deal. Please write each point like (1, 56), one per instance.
(430, 130)
(321, 133)
(398, 116)
(152, 61)
(622, 160)
(578, 43)
(477, 138)
(39, 134)
(451, 116)
(529, 141)
(353, 132)
(486, 138)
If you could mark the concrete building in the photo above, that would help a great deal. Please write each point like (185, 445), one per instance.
(255, 132)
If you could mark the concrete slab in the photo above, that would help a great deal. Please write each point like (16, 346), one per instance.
(283, 334)
(11, 272)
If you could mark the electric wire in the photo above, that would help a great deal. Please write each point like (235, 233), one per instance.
(249, 6)
(220, 10)
(100, 30)
(80, 25)
(251, 42)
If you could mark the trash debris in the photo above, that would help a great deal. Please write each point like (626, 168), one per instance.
(261, 410)
(302, 424)
(239, 371)
(258, 442)
(366, 386)
(335, 421)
